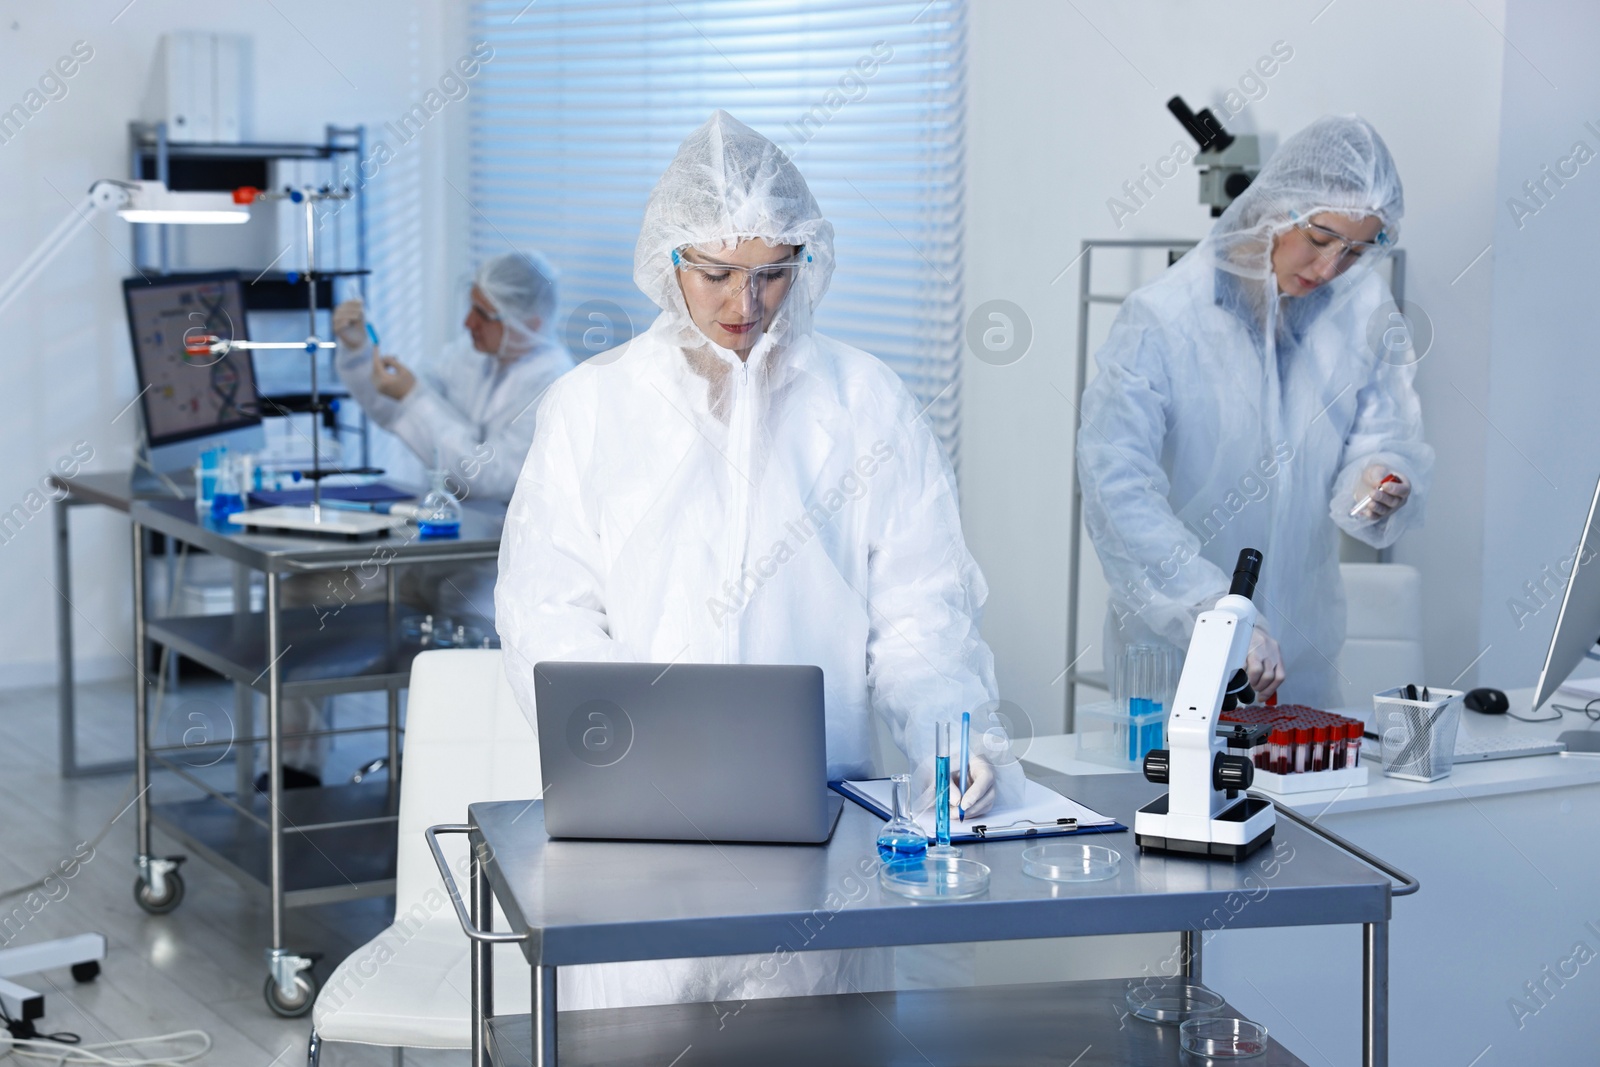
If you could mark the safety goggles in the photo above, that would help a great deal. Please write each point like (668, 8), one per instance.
(1331, 243)
(725, 279)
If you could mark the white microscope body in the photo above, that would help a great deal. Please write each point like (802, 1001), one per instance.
(1204, 811)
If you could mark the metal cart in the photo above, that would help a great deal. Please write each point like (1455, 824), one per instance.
(578, 902)
(306, 846)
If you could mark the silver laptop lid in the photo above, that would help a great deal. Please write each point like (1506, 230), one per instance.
(683, 752)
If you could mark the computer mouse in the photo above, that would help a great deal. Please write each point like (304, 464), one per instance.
(1487, 701)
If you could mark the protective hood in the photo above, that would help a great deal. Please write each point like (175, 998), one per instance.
(1337, 164)
(522, 288)
(726, 183)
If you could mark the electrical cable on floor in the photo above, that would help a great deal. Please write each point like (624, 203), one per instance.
(57, 1055)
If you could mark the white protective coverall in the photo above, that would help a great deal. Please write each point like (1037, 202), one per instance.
(1226, 415)
(679, 506)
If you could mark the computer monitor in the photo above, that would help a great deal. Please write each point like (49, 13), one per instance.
(184, 397)
(1578, 624)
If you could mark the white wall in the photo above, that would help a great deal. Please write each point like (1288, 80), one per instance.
(1544, 448)
(65, 369)
(1064, 108)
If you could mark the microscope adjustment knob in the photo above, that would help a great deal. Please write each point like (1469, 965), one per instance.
(1232, 773)
(1157, 765)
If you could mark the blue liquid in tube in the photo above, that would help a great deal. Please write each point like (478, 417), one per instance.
(941, 801)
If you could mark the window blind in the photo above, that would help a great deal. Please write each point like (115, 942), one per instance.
(585, 102)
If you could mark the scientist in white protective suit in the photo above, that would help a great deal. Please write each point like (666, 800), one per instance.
(470, 411)
(1255, 396)
(733, 487)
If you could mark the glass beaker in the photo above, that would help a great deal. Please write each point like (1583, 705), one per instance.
(900, 840)
(439, 514)
(941, 792)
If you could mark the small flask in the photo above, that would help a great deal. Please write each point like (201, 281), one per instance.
(439, 514)
(900, 841)
(228, 493)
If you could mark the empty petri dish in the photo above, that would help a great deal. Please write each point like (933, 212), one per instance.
(1223, 1039)
(1071, 863)
(1171, 1000)
(936, 878)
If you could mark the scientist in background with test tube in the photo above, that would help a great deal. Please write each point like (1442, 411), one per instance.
(470, 412)
(1260, 392)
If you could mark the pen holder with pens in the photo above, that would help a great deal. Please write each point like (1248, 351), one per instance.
(1418, 736)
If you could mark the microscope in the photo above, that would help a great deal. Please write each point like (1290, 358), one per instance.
(1204, 811)
(1228, 163)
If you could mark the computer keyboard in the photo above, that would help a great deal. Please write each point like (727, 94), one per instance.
(1506, 746)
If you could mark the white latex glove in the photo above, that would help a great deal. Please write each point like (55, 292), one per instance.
(391, 377)
(982, 788)
(1263, 664)
(1384, 500)
(350, 324)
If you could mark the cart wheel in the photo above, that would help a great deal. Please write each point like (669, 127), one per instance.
(305, 995)
(87, 971)
(166, 902)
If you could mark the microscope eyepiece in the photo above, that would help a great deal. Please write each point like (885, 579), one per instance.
(1246, 573)
(1203, 126)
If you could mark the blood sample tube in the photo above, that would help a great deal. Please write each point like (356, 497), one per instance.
(1302, 749)
(1280, 751)
(1319, 748)
(1352, 756)
(1336, 737)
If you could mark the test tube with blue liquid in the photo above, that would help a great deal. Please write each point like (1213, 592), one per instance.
(1147, 678)
(941, 792)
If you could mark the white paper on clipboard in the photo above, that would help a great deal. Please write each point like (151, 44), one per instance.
(1041, 810)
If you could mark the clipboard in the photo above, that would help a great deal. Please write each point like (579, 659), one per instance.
(1043, 813)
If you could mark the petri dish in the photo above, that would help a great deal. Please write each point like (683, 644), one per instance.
(1071, 863)
(938, 878)
(1223, 1039)
(1171, 1001)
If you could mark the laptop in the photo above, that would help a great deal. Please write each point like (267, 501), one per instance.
(684, 752)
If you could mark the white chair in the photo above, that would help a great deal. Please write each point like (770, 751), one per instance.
(410, 987)
(1383, 635)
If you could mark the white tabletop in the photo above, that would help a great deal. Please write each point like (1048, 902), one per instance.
(1060, 753)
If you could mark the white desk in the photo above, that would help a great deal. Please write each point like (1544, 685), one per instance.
(1508, 853)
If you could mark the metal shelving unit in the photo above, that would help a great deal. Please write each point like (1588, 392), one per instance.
(222, 167)
(296, 847)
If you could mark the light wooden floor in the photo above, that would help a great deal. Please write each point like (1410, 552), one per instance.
(200, 967)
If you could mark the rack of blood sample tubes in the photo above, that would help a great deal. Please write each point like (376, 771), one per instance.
(1299, 749)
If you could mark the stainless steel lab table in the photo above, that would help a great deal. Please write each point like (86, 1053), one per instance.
(117, 491)
(311, 846)
(579, 902)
